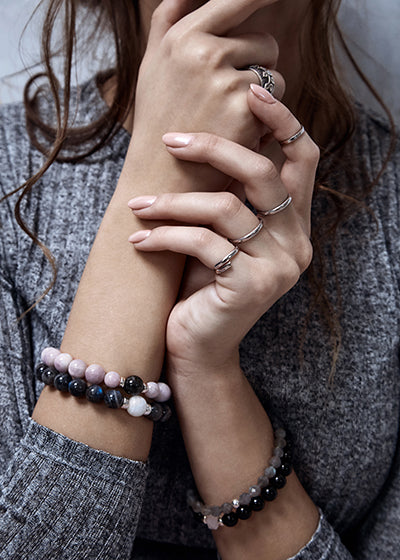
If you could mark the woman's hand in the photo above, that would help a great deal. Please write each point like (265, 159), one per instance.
(192, 79)
(207, 325)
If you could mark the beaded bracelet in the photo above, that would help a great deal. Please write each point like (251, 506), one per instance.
(56, 373)
(266, 490)
(94, 373)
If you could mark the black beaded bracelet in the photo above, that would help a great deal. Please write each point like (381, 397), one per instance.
(266, 490)
(112, 398)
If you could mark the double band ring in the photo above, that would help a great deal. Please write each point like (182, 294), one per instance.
(225, 264)
(282, 206)
(293, 138)
(249, 235)
(265, 77)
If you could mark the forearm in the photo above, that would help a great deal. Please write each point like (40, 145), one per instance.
(229, 440)
(118, 317)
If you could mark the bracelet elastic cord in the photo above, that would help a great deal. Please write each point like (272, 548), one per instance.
(61, 371)
(266, 490)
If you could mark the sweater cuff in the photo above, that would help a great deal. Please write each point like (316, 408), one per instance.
(325, 544)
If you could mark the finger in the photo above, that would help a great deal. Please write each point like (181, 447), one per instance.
(220, 16)
(165, 16)
(223, 211)
(251, 48)
(208, 247)
(260, 178)
(302, 156)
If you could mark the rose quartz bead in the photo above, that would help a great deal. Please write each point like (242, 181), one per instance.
(77, 369)
(152, 390)
(112, 379)
(164, 392)
(95, 374)
(48, 355)
(137, 406)
(62, 361)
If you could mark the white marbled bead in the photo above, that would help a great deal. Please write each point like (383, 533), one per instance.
(137, 406)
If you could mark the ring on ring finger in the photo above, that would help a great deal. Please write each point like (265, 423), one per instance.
(282, 206)
(265, 77)
(225, 263)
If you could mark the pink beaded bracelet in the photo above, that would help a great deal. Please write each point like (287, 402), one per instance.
(96, 374)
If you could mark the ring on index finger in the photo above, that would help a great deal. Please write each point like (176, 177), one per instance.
(255, 231)
(265, 77)
(282, 206)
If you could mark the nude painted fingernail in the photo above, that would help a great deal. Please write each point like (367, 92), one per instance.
(262, 93)
(139, 236)
(140, 202)
(177, 140)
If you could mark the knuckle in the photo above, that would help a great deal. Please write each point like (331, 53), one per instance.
(265, 171)
(204, 237)
(313, 153)
(304, 254)
(228, 204)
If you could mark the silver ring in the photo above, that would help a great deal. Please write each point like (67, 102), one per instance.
(293, 138)
(277, 209)
(265, 77)
(225, 264)
(249, 235)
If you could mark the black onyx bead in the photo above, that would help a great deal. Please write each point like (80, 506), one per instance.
(113, 398)
(285, 469)
(230, 519)
(94, 393)
(167, 413)
(39, 370)
(77, 387)
(48, 376)
(257, 503)
(243, 512)
(269, 493)
(133, 385)
(61, 382)
(278, 481)
(156, 412)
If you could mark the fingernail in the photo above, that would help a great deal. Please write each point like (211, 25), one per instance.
(139, 236)
(140, 202)
(262, 93)
(177, 140)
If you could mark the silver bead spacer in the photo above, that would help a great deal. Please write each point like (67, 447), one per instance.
(148, 410)
(236, 503)
(125, 403)
(122, 382)
(145, 388)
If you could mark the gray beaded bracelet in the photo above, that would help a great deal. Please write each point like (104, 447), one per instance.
(272, 479)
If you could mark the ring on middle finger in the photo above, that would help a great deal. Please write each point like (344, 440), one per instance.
(265, 77)
(255, 231)
(282, 206)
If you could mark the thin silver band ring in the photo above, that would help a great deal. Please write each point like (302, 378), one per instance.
(225, 264)
(293, 138)
(249, 235)
(277, 209)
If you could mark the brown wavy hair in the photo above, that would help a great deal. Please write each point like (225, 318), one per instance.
(323, 93)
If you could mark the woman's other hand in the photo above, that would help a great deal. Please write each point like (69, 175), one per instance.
(215, 312)
(192, 79)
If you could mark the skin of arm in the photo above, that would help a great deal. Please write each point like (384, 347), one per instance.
(227, 433)
(123, 300)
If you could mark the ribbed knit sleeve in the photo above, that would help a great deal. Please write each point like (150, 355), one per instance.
(58, 498)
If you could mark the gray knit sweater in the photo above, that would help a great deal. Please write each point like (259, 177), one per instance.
(61, 499)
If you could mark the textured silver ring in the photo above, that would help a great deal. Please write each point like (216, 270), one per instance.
(225, 264)
(293, 138)
(265, 77)
(277, 209)
(249, 235)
